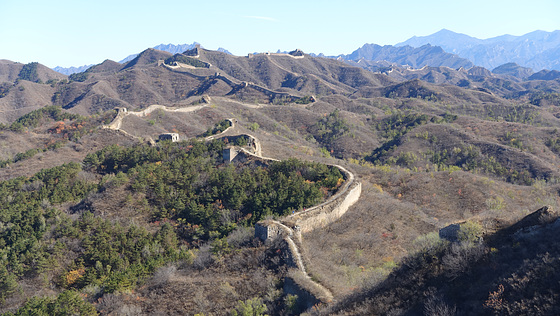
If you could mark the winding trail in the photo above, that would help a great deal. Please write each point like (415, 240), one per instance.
(326, 212)
(291, 232)
(116, 124)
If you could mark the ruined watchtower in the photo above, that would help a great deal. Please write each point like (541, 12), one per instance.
(174, 137)
(267, 230)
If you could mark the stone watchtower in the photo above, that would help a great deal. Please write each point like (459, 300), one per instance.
(229, 154)
(174, 137)
(267, 230)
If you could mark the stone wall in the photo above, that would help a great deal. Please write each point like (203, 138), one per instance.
(325, 214)
(291, 227)
(322, 214)
(329, 211)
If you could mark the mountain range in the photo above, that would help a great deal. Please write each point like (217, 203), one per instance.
(170, 48)
(449, 160)
(538, 50)
(71, 70)
(426, 55)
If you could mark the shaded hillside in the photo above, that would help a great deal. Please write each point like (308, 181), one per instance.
(545, 75)
(305, 74)
(266, 78)
(23, 97)
(262, 78)
(514, 70)
(509, 81)
(25, 87)
(419, 89)
(514, 271)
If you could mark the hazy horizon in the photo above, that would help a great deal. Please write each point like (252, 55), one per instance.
(71, 33)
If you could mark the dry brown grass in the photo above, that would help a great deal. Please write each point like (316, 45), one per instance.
(71, 152)
(181, 289)
(395, 208)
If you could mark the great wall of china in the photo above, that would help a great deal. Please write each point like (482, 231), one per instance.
(288, 228)
(235, 84)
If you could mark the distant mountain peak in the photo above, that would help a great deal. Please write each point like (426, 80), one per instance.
(71, 70)
(170, 48)
(445, 31)
(426, 55)
(537, 50)
(148, 56)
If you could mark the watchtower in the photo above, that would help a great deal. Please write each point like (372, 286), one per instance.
(229, 154)
(174, 137)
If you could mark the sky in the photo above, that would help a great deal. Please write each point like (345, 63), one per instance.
(79, 32)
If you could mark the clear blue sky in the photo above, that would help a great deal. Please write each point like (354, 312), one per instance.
(77, 32)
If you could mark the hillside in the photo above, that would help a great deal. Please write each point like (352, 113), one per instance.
(466, 277)
(11, 71)
(101, 216)
(425, 55)
(170, 48)
(514, 70)
(508, 81)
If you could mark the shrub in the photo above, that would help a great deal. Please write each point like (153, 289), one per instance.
(428, 243)
(180, 58)
(470, 232)
(218, 128)
(436, 306)
(496, 203)
(253, 126)
(304, 100)
(460, 256)
(4, 89)
(67, 303)
(251, 307)
(329, 129)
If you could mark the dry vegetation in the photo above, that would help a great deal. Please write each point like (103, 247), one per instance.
(427, 155)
